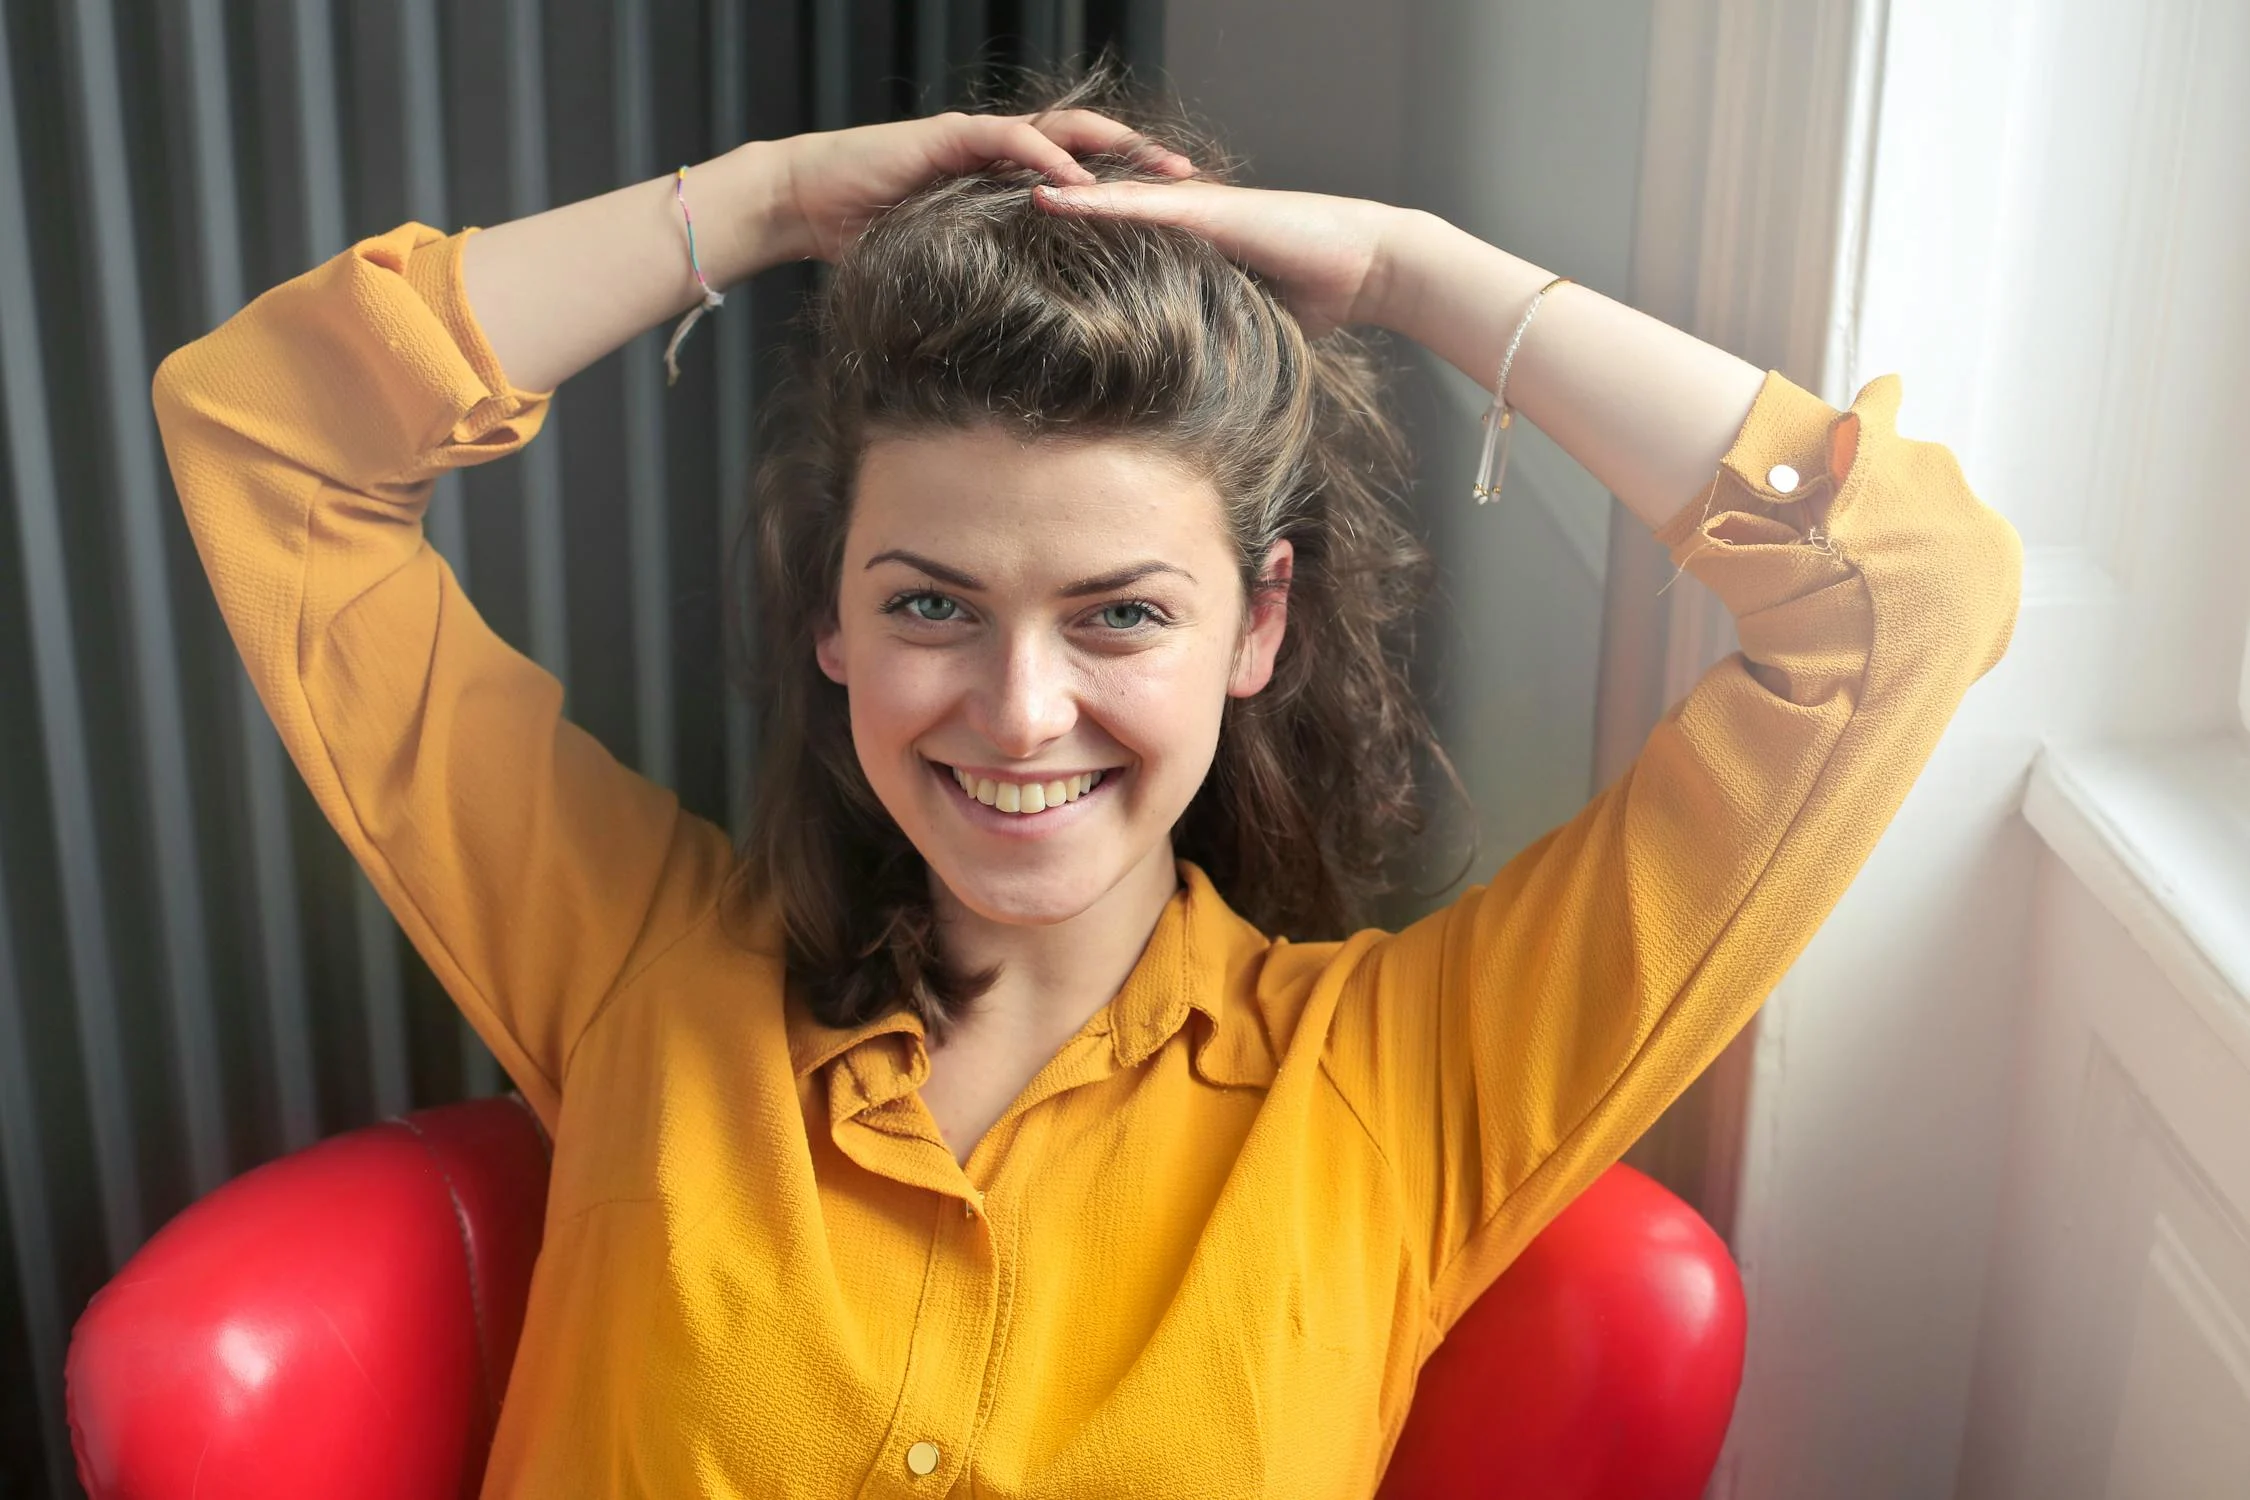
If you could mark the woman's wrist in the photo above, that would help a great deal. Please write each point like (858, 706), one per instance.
(558, 290)
(1440, 285)
(746, 212)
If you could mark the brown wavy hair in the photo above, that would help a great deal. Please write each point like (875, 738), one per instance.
(968, 305)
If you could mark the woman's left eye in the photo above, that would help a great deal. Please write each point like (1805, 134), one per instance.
(1131, 615)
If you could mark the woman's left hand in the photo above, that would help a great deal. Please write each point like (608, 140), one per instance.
(1330, 256)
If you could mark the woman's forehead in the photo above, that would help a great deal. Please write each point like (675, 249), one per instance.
(987, 492)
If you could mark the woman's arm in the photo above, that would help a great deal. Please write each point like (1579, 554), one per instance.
(1506, 1049)
(528, 865)
(524, 862)
(1647, 409)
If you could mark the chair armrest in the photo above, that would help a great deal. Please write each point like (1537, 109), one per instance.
(339, 1322)
(1602, 1365)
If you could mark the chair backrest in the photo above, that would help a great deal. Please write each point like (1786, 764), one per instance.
(341, 1323)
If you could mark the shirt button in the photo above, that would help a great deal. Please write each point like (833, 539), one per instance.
(922, 1458)
(1782, 478)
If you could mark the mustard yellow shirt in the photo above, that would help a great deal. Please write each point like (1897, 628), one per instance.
(1208, 1249)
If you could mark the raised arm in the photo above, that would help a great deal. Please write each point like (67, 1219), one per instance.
(530, 869)
(1506, 1049)
(526, 865)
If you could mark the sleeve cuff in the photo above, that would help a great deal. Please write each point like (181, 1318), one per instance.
(433, 269)
(1787, 462)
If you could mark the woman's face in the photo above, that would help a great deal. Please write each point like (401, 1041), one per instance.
(1065, 616)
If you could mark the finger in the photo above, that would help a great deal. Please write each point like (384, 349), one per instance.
(1242, 222)
(973, 141)
(1084, 132)
(1200, 206)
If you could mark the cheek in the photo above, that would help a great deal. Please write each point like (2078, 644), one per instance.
(896, 694)
(1163, 706)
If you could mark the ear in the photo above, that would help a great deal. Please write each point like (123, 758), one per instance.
(828, 650)
(1269, 621)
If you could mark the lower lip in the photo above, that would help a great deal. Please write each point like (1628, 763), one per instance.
(1022, 825)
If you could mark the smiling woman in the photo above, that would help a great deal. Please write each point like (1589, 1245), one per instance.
(1061, 496)
(1019, 1113)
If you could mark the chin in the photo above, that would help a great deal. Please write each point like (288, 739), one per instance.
(1029, 894)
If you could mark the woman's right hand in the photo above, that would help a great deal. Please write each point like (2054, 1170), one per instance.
(835, 181)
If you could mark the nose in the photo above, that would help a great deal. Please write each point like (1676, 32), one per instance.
(1030, 698)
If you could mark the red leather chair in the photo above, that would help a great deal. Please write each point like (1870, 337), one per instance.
(340, 1323)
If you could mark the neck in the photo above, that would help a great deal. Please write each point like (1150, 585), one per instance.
(1054, 977)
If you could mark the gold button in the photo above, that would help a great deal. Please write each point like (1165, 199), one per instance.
(922, 1458)
(1782, 478)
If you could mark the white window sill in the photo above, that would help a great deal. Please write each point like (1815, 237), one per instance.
(2159, 831)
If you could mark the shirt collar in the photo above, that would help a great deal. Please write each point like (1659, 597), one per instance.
(1194, 958)
(813, 1045)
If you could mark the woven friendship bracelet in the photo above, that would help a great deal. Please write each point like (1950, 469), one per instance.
(711, 297)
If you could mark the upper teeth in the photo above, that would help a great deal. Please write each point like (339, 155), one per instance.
(1027, 796)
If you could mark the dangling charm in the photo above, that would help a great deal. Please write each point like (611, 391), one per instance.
(1497, 436)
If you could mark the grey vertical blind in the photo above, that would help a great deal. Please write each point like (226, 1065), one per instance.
(193, 975)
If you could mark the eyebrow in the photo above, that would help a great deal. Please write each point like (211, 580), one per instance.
(1102, 583)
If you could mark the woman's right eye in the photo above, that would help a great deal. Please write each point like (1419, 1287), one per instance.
(935, 609)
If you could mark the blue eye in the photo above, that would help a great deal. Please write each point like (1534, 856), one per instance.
(933, 609)
(1127, 616)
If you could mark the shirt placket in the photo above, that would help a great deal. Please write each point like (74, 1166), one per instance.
(880, 1124)
(926, 1451)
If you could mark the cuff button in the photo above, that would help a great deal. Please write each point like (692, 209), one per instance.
(1782, 479)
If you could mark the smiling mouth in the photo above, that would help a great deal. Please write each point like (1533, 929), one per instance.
(1025, 798)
